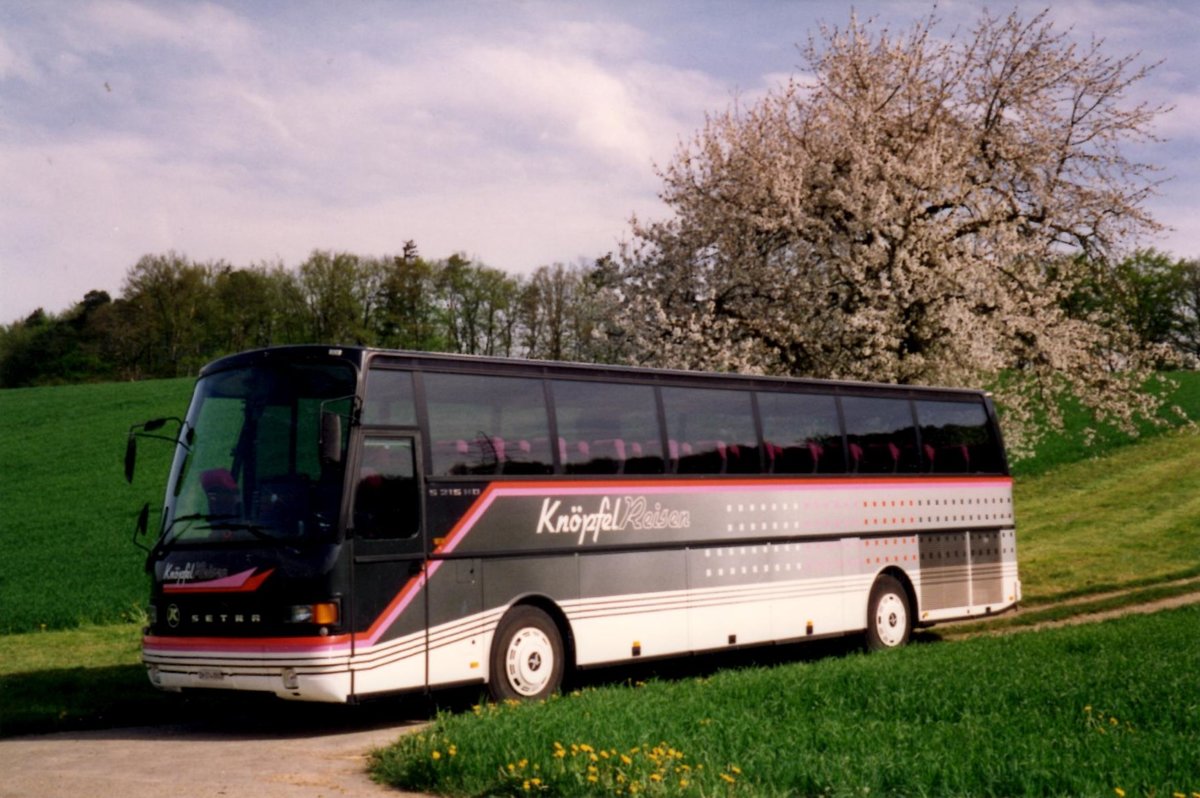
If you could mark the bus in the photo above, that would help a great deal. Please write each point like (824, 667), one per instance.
(345, 522)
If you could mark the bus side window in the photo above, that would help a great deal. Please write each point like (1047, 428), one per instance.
(389, 399)
(387, 498)
(711, 431)
(607, 428)
(801, 433)
(880, 435)
(484, 424)
(956, 437)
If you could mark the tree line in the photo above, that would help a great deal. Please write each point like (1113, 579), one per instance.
(175, 314)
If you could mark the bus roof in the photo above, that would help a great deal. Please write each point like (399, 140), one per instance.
(362, 356)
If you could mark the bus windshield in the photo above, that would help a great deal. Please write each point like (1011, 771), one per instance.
(253, 469)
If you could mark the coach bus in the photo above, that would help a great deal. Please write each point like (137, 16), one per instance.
(347, 522)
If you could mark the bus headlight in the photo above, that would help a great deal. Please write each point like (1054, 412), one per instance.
(325, 613)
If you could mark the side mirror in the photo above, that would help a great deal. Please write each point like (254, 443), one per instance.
(147, 430)
(331, 438)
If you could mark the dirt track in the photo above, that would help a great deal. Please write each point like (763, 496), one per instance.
(263, 749)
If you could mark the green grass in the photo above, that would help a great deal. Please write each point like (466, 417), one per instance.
(78, 678)
(1078, 711)
(1101, 524)
(66, 513)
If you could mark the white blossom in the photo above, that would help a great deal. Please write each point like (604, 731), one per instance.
(911, 214)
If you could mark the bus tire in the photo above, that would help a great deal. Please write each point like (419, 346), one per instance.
(527, 656)
(889, 615)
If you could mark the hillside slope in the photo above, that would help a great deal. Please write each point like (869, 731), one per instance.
(1131, 517)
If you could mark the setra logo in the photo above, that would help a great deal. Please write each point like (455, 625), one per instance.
(173, 616)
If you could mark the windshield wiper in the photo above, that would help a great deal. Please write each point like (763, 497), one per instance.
(166, 538)
(257, 530)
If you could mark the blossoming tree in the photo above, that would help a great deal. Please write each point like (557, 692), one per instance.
(908, 210)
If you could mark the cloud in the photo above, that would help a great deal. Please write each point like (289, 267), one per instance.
(531, 144)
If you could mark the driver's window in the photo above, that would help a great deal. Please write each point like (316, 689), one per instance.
(387, 499)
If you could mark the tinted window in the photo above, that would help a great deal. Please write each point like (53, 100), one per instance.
(880, 436)
(389, 399)
(487, 425)
(387, 501)
(801, 434)
(710, 431)
(607, 428)
(956, 438)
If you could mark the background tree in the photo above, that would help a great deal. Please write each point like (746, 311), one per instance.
(1187, 336)
(410, 316)
(1143, 296)
(168, 305)
(893, 218)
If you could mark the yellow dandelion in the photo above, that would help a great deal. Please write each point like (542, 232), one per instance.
(683, 783)
(436, 755)
(735, 769)
(626, 760)
(452, 750)
(593, 778)
(1120, 793)
(728, 778)
(655, 777)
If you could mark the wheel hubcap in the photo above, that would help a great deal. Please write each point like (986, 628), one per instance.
(890, 620)
(529, 661)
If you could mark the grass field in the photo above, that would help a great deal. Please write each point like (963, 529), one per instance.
(66, 513)
(1081, 711)
(1098, 524)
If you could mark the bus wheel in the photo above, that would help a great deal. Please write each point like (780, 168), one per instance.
(889, 617)
(527, 656)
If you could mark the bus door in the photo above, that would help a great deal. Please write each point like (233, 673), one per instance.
(387, 533)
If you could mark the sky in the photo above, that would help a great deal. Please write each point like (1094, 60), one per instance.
(520, 134)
